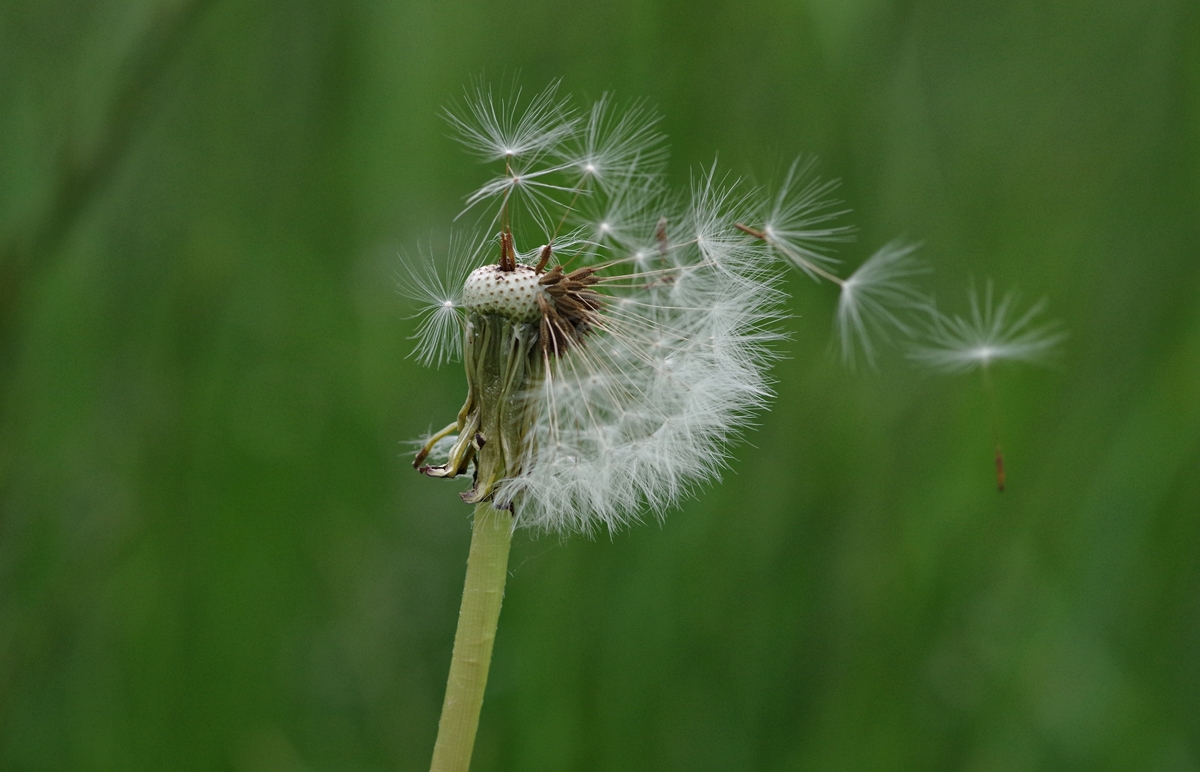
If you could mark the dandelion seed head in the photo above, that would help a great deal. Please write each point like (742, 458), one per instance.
(610, 369)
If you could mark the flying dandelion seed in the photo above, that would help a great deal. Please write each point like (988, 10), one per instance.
(992, 332)
(800, 228)
(876, 298)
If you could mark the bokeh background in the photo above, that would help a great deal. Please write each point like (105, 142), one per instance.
(215, 556)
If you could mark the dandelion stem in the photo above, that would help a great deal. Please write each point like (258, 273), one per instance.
(483, 591)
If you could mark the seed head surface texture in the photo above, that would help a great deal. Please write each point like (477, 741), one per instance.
(512, 294)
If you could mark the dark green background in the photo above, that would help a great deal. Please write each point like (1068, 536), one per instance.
(213, 552)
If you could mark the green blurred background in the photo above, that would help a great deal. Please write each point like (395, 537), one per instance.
(215, 556)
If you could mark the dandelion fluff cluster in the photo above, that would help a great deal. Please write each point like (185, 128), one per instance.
(646, 319)
(644, 411)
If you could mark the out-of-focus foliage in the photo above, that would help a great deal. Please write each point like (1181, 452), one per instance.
(213, 553)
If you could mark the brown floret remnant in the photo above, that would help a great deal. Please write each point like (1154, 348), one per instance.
(508, 254)
(572, 310)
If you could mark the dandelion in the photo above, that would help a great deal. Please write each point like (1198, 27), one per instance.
(613, 385)
(614, 345)
(992, 332)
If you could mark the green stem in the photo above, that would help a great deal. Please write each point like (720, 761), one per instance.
(487, 569)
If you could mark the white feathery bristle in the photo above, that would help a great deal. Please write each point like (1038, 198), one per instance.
(626, 217)
(505, 129)
(614, 145)
(876, 298)
(801, 224)
(436, 284)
